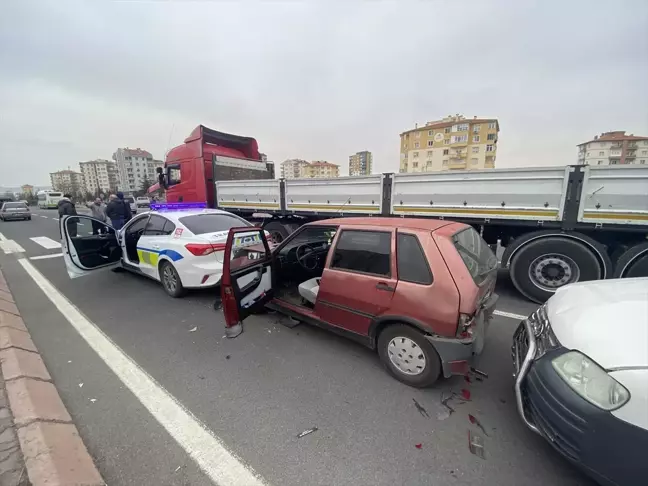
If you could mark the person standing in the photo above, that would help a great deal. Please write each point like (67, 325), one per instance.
(128, 214)
(115, 212)
(98, 210)
(66, 207)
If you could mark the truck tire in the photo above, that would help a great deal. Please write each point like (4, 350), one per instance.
(542, 266)
(420, 369)
(633, 262)
(279, 231)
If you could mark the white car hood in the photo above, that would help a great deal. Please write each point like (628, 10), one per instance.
(606, 320)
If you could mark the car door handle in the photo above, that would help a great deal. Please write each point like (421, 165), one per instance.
(384, 286)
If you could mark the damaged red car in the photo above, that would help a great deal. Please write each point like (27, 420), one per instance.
(419, 291)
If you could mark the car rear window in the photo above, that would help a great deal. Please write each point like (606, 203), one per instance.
(129, 199)
(412, 264)
(199, 224)
(475, 253)
(15, 205)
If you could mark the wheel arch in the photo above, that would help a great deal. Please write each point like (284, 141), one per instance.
(594, 246)
(379, 324)
(630, 256)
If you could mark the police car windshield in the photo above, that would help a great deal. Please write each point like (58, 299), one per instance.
(199, 224)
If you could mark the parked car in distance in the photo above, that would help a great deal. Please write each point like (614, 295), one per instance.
(143, 202)
(419, 291)
(133, 205)
(581, 367)
(15, 210)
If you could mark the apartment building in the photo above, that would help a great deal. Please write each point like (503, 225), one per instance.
(453, 143)
(321, 169)
(134, 166)
(67, 181)
(294, 169)
(361, 163)
(99, 176)
(612, 148)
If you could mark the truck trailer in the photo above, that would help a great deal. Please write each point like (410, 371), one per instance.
(558, 225)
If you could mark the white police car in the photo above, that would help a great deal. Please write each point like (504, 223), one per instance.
(179, 245)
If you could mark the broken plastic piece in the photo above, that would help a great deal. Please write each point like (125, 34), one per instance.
(194, 329)
(444, 402)
(418, 446)
(465, 393)
(476, 444)
(479, 372)
(474, 420)
(420, 408)
(307, 432)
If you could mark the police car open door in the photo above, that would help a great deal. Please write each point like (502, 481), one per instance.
(85, 252)
(246, 284)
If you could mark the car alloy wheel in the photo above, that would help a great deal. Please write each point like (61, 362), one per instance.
(406, 356)
(170, 279)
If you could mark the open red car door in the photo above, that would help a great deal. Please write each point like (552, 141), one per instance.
(246, 284)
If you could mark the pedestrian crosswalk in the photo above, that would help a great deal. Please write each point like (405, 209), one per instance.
(46, 242)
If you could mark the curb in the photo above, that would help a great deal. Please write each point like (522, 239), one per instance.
(53, 451)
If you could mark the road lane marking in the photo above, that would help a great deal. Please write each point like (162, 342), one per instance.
(10, 246)
(55, 219)
(43, 257)
(2, 237)
(519, 317)
(42, 216)
(201, 444)
(46, 242)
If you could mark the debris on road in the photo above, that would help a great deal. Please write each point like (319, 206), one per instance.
(69, 360)
(465, 393)
(80, 385)
(177, 469)
(228, 356)
(444, 414)
(479, 372)
(476, 444)
(194, 329)
(93, 400)
(420, 409)
(307, 432)
(418, 446)
(444, 402)
(475, 420)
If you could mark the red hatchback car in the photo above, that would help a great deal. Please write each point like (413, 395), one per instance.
(419, 291)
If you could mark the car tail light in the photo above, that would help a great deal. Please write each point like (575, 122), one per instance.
(464, 326)
(203, 249)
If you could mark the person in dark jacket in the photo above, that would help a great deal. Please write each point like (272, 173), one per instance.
(116, 212)
(66, 207)
(128, 214)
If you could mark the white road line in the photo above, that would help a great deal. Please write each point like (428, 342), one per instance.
(42, 216)
(207, 450)
(46, 242)
(2, 237)
(519, 317)
(55, 219)
(44, 257)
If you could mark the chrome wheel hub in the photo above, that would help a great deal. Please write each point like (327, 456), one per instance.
(406, 356)
(549, 272)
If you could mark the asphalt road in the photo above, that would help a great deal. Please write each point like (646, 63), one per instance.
(257, 392)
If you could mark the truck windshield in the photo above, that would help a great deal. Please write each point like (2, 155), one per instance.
(200, 224)
(475, 253)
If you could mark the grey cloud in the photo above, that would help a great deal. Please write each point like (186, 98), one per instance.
(316, 80)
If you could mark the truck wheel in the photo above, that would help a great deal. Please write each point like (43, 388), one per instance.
(408, 356)
(541, 267)
(633, 262)
(279, 231)
(171, 280)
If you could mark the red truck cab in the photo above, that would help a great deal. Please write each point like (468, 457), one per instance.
(189, 168)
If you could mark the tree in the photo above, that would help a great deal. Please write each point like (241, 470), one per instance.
(146, 183)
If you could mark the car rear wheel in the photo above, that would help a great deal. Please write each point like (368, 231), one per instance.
(408, 356)
(171, 280)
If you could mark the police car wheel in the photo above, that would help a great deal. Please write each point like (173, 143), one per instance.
(171, 280)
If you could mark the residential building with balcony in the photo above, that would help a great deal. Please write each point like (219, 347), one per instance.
(320, 169)
(614, 148)
(67, 181)
(294, 169)
(134, 166)
(99, 176)
(361, 163)
(453, 143)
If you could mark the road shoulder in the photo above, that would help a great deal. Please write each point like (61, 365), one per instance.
(31, 410)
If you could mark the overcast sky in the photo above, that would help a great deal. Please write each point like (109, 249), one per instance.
(313, 80)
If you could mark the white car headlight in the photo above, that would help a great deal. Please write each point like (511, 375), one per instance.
(590, 381)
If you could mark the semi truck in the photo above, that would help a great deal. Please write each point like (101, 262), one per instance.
(557, 225)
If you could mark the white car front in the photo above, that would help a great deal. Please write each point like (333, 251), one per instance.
(582, 376)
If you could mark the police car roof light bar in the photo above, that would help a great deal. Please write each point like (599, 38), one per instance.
(177, 206)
